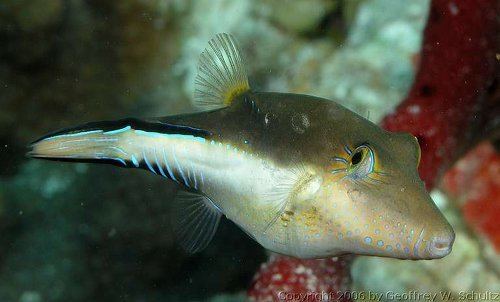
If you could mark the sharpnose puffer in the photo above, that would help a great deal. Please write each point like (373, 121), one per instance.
(301, 175)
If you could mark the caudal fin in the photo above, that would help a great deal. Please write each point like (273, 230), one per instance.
(126, 143)
(86, 144)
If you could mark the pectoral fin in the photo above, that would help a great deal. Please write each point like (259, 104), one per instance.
(196, 220)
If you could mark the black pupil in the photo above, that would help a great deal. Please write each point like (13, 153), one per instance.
(356, 158)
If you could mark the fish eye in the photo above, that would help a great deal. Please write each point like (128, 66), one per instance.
(361, 162)
(356, 157)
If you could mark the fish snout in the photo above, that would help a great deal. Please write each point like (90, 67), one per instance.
(440, 246)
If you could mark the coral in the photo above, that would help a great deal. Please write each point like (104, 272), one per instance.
(285, 278)
(302, 16)
(475, 182)
(457, 67)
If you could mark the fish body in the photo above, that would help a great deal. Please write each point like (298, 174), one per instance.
(301, 175)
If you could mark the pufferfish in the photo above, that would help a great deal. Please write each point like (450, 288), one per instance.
(301, 175)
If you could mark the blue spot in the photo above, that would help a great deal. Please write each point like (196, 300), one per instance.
(368, 240)
(340, 236)
(398, 246)
(349, 233)
(377, 232)
(388, 248)
(407, 250)
(380, 243)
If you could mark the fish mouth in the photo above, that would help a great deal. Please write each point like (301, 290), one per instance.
(440, 246)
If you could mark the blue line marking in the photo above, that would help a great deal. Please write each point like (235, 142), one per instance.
(147, 162)
(119, 150)
(101, 156)
(179, 167)
(134, 161)
(340, 159)
(417, 245)
(172, 136)
(194, 177)
(124, 129)
(169, 170)
(346, 148)
(189, 175)
(73, 134)
(121, 160)
(182, 127)
(158, 164)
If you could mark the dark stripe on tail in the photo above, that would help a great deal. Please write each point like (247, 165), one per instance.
(150, 126)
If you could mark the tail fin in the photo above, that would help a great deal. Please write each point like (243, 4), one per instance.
(94, 142)
(128, 143)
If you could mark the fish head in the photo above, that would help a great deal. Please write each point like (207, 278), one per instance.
(373, 202)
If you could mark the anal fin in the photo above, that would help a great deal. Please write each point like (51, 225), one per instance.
(197, 219)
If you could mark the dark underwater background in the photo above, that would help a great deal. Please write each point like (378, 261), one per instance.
(85, 232)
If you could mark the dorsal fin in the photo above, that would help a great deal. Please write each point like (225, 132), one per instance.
(221, 74)
(196, 220)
